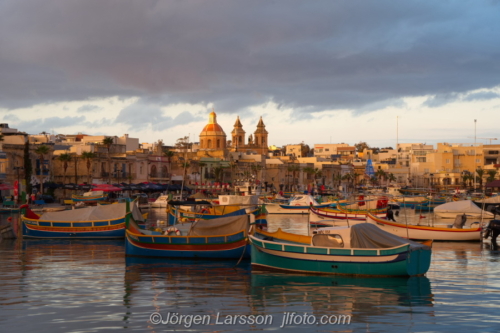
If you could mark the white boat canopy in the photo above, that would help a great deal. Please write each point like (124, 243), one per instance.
(461, 207)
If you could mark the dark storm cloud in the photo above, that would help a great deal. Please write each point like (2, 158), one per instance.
(482, 96)
(307, 55)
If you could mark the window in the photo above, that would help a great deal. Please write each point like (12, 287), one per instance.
(327, 149)
(421, 159)
(478, 160)
(209, 143)
(447, 161)
(218, 143)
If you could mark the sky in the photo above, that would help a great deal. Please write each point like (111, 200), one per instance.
(315, 71)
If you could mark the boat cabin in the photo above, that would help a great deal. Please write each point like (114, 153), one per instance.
(332, 237)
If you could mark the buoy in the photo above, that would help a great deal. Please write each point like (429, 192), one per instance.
(174, 230)
(9, 218)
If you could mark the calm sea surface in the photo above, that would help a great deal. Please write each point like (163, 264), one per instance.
(90, 286)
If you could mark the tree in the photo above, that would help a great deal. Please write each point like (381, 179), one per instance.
(65, 159)
(480, 174)
(491, 175)
(380, 174)
(391, 177)
(108, 141)
(183, 143)
(293, 168)
(169, 154)
(88, 156)
(41, 151)
(219, 173)
(465, 178)
(28, 167)
(360, 146)
(185, 166)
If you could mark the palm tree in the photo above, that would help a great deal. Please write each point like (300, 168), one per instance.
(391, 177)
(219, 173)
(480, 174)
(88, 156)
(65, 159)
(491, 175)
(380, 174)
(41, 151)
(169, 154)
(317, 174)
(108, 141)
(76, 168)
(185, 166)
(293, 169)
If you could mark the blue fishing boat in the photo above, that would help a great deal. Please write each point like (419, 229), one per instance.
(221, 238)
(95, 222)
(362, 249)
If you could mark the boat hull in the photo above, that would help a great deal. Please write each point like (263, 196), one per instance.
(208, 247)
(81, 198)
(358, 262)
(317, 215)
(426, 232)
(288, 209)
(73, 230)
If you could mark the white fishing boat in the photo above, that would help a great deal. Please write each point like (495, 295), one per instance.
(298, 204)
(451, 209)
(160, 202)
(457, 231)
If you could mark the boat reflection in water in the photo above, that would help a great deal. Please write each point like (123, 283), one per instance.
(364, 300)
(218, 289)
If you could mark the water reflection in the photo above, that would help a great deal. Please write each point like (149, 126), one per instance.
(90, 286)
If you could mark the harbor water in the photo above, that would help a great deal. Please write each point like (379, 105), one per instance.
(90, 286)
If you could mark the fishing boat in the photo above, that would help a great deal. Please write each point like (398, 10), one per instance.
(299, 204)
(89, 197)
(410, 202)
(362, 249)
(93, 222)
(487, 203)
(9, 210)
(221, 238)
(322, 214)
(452, 209)
(160, 202)
(454, 232)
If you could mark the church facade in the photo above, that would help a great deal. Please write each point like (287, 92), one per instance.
(214, 143)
